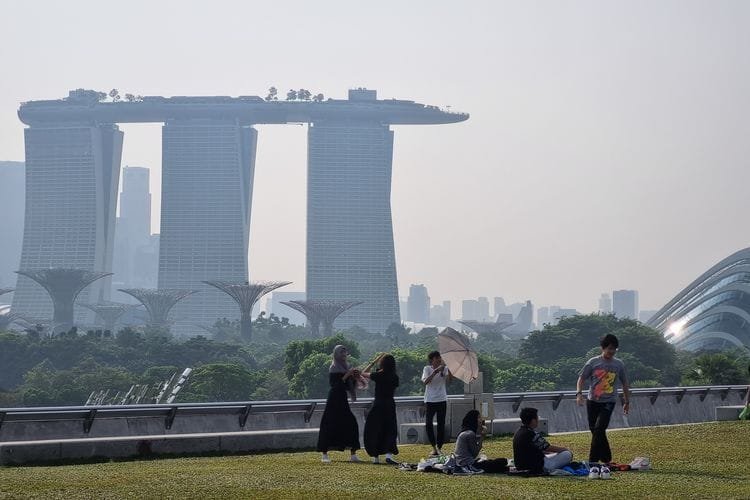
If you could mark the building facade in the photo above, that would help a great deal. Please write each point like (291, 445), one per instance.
(625, 304)
(72, 175)
(350, 251)
(12, 199)
(418, 304)
(207, 180)
(712, 312)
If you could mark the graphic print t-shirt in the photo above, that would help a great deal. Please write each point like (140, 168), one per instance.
(602, 375)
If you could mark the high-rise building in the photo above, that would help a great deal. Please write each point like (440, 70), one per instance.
(484, 309)
(625, 303)
(350, 252)
(470, 310)
(542, 317)
(418, 304)
(605, 304)
(499, 306)
(134, 253)
(12, 195)
(207, 179)
(440, 315)
(72, 174)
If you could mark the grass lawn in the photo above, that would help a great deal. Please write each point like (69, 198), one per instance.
(691, 461)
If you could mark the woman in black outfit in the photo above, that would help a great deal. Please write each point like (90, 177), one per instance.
(380, 427)
(338, 427)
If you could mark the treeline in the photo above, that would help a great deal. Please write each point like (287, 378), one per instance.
(282, 362)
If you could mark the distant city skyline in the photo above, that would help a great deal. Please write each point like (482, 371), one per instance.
(600, 124)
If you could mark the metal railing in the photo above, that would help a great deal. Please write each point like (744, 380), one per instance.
(243, 409)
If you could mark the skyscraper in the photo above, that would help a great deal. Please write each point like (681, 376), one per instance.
(625, 303)
(132, 258)
(484, 309)
(470, 310)
(72, 174)
(12, 195)
(418, 304)
(207, 179)
(605, 304)
(499, 306)
(350, 252)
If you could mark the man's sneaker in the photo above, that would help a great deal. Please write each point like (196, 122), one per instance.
(325, 458)
(475, 470)
(594, 473)
(604, 473)
(462, 471)
(375, 460)
(390, 461)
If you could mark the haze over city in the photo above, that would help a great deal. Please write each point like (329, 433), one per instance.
(606, 146)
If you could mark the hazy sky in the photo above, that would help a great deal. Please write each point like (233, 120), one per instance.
(607, 146)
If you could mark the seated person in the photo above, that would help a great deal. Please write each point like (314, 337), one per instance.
(469, 444)
(532, 452)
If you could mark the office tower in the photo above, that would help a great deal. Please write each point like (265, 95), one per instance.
(470, 310)
(276, 307)
(12, 195)
(605, 304)
(350, 252)
(625, 303)
(484, 309)
(418, 304)
(207, 180)
(72, 174)
(134, 252)
(499, 306)
(542, 317)
(525, 319)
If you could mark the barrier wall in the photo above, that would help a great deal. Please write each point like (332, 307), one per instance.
(657, 406)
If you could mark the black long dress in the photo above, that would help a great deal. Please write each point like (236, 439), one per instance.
(381, 429)
(338, 427)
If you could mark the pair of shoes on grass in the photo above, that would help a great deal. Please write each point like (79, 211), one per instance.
(327, 460)
(602, 472)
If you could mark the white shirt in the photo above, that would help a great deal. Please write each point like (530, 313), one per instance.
(435, 392)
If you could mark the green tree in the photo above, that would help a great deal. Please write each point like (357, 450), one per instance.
(311, 380)
(221, 382)
(715, 368)
(297, 351)
(526, 378)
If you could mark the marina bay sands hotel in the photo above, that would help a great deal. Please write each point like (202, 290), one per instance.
(73, 153)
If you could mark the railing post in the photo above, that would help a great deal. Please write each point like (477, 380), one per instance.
(655, 396)
(517, 403)
(170, 418)
(705, 393)
(681, 395)
(309, 411)
(244, 414)
(557, 400)
(88, 421)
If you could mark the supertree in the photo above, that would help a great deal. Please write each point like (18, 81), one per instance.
(246, 295)
(322, 312)
(109, 312)
(63, 286)
(158, 302)
(3, 291)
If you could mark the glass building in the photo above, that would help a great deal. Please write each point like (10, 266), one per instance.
(207, 179)
(72, 175)
(350, 253)
(713, 312)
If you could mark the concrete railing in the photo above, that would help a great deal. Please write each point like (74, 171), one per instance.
(650, 406)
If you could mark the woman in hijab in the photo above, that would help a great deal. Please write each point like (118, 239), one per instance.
(469, 444)
(338, 427)
(381, 428)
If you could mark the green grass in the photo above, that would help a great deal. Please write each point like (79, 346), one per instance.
(692, 461)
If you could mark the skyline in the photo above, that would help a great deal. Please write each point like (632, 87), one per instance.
(604, 151)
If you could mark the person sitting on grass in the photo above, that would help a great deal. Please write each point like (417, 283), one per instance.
(532, 452)
(469, 444)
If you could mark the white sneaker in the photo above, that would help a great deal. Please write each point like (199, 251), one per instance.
(325, 458)
(604, 473)
(354, 458)
(594, 473)
(375, 460)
